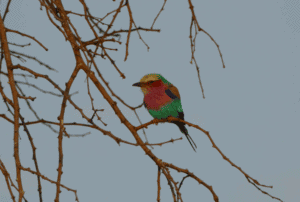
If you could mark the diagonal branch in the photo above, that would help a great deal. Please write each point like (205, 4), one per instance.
(31, 37)
(170, 119)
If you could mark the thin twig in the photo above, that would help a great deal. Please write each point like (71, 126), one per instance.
(31, 37)
(162, 8)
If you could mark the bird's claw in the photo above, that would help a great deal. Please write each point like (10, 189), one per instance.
(169, 118)
(155, 121)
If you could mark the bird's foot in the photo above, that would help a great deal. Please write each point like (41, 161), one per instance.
(169, 118)
(155, 121)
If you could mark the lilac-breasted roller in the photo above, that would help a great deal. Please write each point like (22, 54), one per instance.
(162, 99)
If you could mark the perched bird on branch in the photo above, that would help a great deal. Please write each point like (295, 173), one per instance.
(162, 99)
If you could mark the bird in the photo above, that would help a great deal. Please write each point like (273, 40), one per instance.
(162, 100)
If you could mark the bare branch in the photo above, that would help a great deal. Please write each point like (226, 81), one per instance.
(162, 8)
(22, 34)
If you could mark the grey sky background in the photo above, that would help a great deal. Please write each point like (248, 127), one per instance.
(251, 109)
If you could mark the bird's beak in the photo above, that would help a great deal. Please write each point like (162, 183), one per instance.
(138, 84)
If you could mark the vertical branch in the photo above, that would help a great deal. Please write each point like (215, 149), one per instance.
(6, 10)
(193, 49)
(129, 31)
(62, 130)
(170, 184)
(158, 185)
(33, 157)
(71, 38)
(16, 106)
(193, 15)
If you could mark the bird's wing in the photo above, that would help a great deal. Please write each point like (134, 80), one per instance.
(172, 92)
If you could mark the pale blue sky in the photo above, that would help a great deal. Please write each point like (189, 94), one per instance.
(252, 107)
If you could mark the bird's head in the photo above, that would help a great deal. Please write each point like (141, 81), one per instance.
(149, 81)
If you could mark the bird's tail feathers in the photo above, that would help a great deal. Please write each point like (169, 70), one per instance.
(185, 132)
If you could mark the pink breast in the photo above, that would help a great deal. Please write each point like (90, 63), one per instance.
(156, 98)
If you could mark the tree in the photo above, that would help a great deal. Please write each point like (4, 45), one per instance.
(85, 52)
